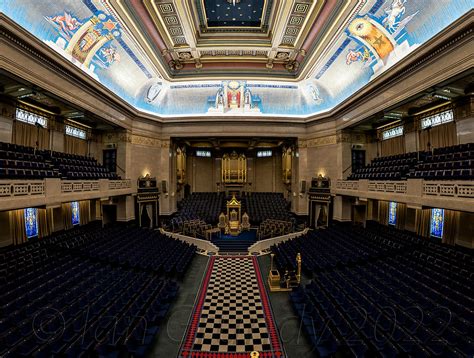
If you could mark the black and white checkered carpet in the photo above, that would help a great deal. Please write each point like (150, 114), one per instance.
(232, 316)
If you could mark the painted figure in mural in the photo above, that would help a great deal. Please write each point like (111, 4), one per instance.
(357, 55)
(66, 24)
(110, 54)
(153, 92)
(219, 98)
(248, 97)
(394, 12)
(315, 94)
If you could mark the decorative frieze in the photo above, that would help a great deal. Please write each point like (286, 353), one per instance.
(146, 141)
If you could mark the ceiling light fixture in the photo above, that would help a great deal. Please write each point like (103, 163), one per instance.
(78, 123)
(233, 2)
(388, 124)
(442, 97)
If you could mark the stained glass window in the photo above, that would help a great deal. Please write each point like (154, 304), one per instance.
(437, 223)
(392, 213)
(75, 212)
(31, 222)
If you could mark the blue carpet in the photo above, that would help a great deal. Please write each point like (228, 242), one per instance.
(240, 243)
(245, 235)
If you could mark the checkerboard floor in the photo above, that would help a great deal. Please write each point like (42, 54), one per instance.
(232, 314)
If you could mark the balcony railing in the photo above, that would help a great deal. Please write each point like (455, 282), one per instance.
(21, 188)
(23, 193)
(447, 189)
(77, 186)
(120, 184)
(388, 186)
(456, 195)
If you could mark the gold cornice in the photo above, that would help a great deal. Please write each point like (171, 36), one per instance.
(216, 41)
(305, 29)
(143, 42)
(155, 15)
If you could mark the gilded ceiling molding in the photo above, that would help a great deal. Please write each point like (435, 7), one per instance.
(298, 15)
(212, 49)
(170, 20)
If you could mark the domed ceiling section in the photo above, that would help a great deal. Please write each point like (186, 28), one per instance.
(178, 58)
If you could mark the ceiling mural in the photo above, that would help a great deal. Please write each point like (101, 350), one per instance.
(92, 36)
(381, 34)
(87, 34)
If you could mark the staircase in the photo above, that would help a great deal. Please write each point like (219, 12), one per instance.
(235, 244)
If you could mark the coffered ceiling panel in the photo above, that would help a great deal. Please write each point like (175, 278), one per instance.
(233, 13)
(259, 37)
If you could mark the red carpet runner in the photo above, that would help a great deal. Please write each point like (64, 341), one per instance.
(232, 316)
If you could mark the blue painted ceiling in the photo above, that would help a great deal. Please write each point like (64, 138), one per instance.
(223, 13)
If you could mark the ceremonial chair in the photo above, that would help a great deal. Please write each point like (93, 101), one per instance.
(245, 222)
(234, 223)
(222, 221)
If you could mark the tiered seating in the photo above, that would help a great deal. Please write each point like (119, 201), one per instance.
(395, 167)
(400, 296)
(20, 162)
(456, 162)
(78, 167)
(448, 163)
(263, 206)
(335, 247)
(203, 206)
(75, 294)
(130, 247)
(272, 228)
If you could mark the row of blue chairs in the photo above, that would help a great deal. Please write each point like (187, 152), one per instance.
(134, 248)
(414, 300)
(68, 303)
